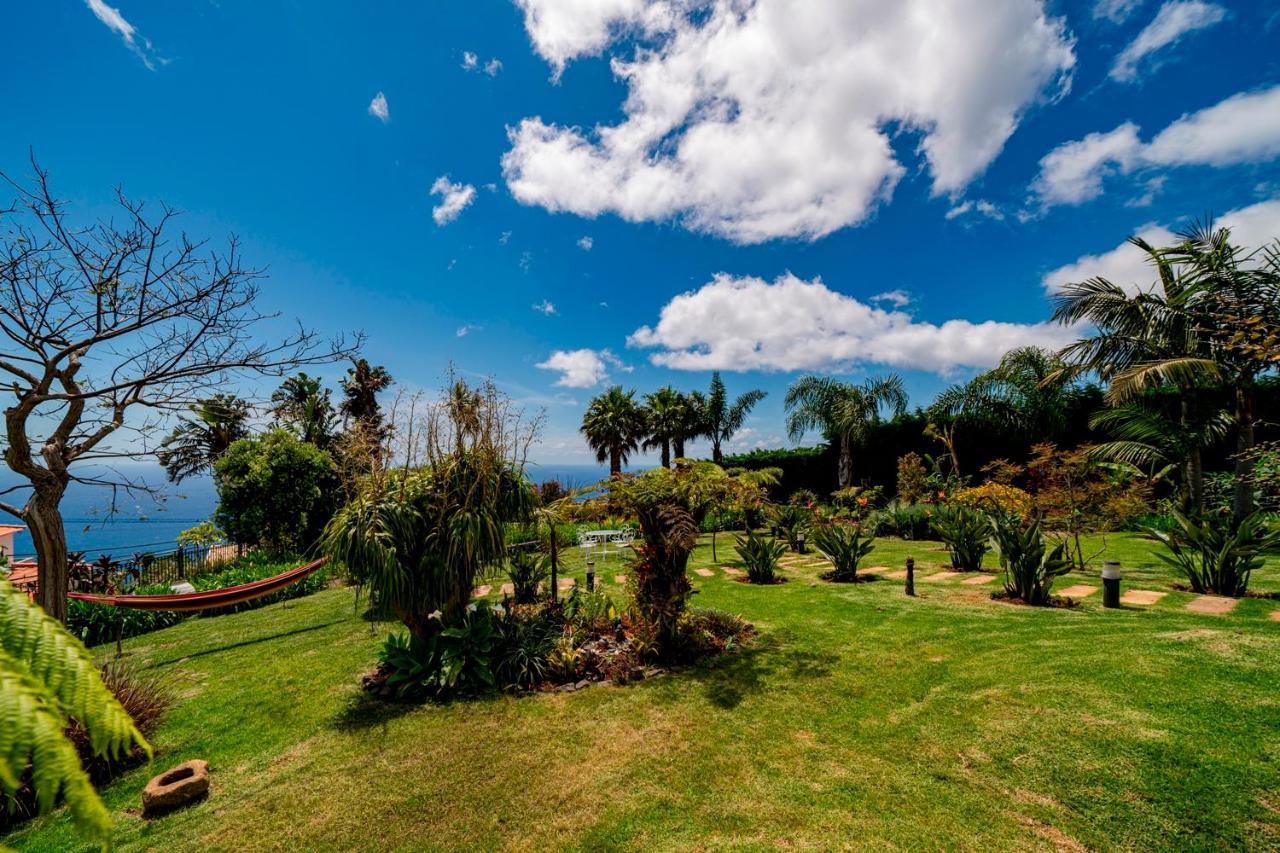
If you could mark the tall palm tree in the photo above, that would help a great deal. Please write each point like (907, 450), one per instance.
(666, 412)
(1029, 392)
(360, 391)
(723, 419)
(198, 442)
(844, 412)
(1173, 334)
(614, 425)
(693, 422)
(304, 407)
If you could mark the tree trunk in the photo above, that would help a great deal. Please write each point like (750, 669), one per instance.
(716, 456)
(679, 448)
(50, 539)
(666, 453)
(615, 461)
(845, 472)
(1195, 482)
(1242, 500)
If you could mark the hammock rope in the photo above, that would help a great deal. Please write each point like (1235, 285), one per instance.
(192, 602)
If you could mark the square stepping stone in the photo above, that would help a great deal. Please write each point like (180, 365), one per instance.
(878, 570)
(1142, 596)
(731, 571)
(566, 583)
(939, 576)
(620, 579)
(901, 573)
(1080, 590)
(481, 591)
(508, 589)
(1275, 615)
(980, 579)
(706, 573)
(1212, 605)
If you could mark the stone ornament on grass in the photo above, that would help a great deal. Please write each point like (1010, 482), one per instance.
(185, 784)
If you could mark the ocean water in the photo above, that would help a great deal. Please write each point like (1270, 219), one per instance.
(136, 524)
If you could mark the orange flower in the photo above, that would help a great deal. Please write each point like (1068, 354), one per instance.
(863, 501)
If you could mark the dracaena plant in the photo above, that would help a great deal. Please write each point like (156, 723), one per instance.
(1216, 555)
(966, 533)
(760, 555)
(1030, 566)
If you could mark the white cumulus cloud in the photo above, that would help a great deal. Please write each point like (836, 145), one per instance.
(765, 119)
(379, 109)
(585, 243)
(1244, 128)
(545, 307)
(454, 199)
(582, 368)
(790, 324)
(1126, 265)
(1176, 18)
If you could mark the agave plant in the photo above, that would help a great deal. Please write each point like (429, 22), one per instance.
(1029, 570)
(760, 555)
(844, 546)
(47, 678)
(527, 570)
(966, 532)
(1215, 555)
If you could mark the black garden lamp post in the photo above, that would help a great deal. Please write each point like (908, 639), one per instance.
(1111, 583)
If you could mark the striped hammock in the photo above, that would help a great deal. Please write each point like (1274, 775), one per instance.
(192, 602)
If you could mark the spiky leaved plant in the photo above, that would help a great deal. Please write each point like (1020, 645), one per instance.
(966, 532)
(844, 546)
(1215, 554)
(1029, 568)
(48, 678)
(760, 555)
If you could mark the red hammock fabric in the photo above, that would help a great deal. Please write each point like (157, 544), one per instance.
(190, 602)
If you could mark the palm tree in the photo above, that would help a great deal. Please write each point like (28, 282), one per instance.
(613, 425)
(198, 442)
(305, 408)
(1175, 334)
(666, 413)
(693, 422)
(360, 391)
(844, 412)
(1029, 392)
(723, 419)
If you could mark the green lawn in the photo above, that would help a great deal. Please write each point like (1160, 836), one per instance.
(858, 718)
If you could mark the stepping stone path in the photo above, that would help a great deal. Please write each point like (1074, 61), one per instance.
(508, 589)
(938, 576)
(980, 579)
(1078, 591)
(901, 573)
(481, 591)
(706, 573)
(1275, 615)
(1142, 596)
(566, 583)
(731, 571)
(620, 579)
(1212, 605)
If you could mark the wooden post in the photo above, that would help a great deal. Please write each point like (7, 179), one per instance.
(911, 576)
(181, 557)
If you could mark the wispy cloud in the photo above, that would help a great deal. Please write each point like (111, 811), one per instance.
(545, 307)
(467, 329)
(379, 109)
(471, 62)
(586, 243)
(454, 198)
(1176, 19)
(134, 40)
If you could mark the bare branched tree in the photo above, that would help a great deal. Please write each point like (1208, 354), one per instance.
(109, 327)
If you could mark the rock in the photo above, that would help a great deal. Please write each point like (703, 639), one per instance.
(581, 684)
(183, 785)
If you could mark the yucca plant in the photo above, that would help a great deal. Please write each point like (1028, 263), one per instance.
(760, 555)
(1215, 555)
(47, 679)
(966, 533)
(1029, 568)
(844, 546)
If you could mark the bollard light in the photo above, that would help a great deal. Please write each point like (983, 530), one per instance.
(1111, 583)
(800, 542)
(591, 575)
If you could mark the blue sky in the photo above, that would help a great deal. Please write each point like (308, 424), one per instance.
(839, 186)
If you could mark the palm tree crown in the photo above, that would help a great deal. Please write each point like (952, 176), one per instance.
(723, 419)
(613, 425)
(197, 442)
(842, 411)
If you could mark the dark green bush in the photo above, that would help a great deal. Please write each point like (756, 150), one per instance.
(1215, 555)
(527, 569)
(1029, 568)
(760, 555)
(844, 546)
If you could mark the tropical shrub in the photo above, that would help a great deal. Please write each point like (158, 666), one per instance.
(527, 570)
(909, 521)
(1029, 567)
(760, 555)
(204, 533)
(912, 483)
(528, 636)
(48, 678)
(965, 532)
(803, 497)
(455, 660)
(792, 521)
(1216, 555)
(275, 490)
(844, 546)
(995, 496)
